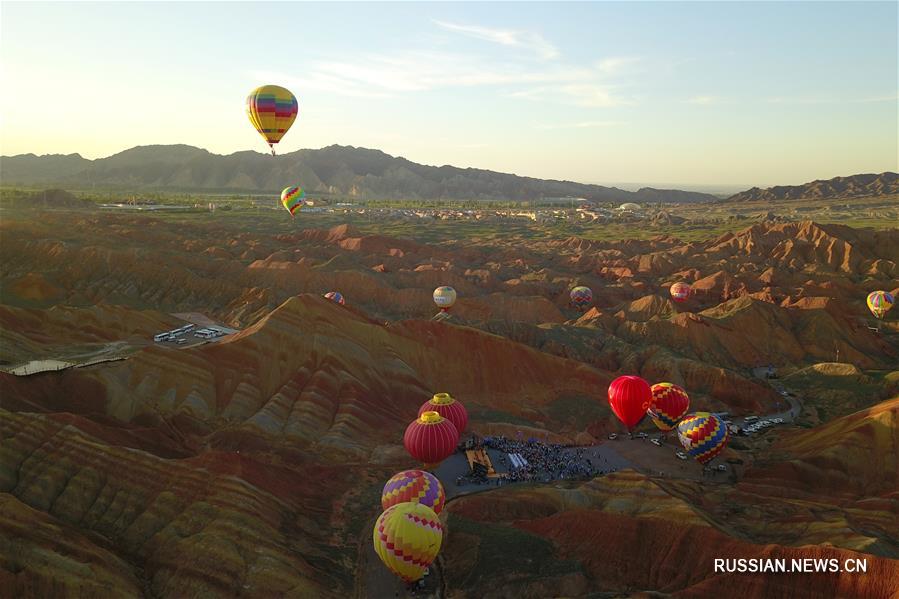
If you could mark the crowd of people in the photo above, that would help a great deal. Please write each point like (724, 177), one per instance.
(545, 462)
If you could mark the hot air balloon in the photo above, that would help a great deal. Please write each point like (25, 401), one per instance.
(630, 397)
(336, 297)
(445, 297)
(669, 404)
(449, 408)
(680, 292)
(703, 435)
(272, 110)
(407, 538)
(292, 199)
(416, 486)
(880, 302)
(581, 297)
(431, 438)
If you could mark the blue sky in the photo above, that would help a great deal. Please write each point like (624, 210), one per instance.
(708, 93)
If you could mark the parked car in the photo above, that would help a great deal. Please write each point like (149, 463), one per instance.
(642, 435)
(681, 455)
(722, 467)
(656, 442)
(751, 418)
(613, 436)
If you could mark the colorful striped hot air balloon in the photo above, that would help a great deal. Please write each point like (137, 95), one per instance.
(336, 297)
(880, 302)
(292, 199)
(630, 397)
(703, 435)
(680, 292)
(430, 438)
(581, 297)
(407, 538)
(416, 486)
(669, 404)
(272, 110)
(449, 408)
(445, 297)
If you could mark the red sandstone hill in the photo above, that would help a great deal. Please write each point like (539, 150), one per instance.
(626, 534)
(253, 465)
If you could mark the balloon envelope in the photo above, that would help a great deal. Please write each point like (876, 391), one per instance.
(407, 538)
(880, 302)
(292, 199)
(430, 438)
(449, 408)
(416, 486)
(669, 404)
(630, 397)
(272, 110)
(445, 297)
(581, 297)
(703, 435)
(680, 292)
(336, 297)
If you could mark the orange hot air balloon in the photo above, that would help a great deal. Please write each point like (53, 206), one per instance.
(431, 438)
(449, 408)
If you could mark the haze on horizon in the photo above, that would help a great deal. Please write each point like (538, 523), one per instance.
(703, 94)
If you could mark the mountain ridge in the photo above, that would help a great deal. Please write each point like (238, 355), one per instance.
(852, 186)
(333, 170)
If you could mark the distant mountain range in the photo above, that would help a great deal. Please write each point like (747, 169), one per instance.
(345, 171)
(839, 187)
(341, 171)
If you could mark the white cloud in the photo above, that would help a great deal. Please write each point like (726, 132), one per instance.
(387, 76)
(580, 125)
(831, 99)
(703, 100)
(377, 76)
(615, 64)
(589, 95)
(506, 37)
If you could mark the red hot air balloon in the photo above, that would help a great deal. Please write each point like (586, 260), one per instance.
(680, 292)
(630, 397)
(449, 408)
(431, 438)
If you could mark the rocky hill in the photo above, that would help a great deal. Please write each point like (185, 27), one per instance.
(337, 170)
(253, 465)
(839, 187)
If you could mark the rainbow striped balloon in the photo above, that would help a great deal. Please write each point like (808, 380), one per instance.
(581, 297)
(407, 538)
(272, 110)
(703, 435)
(416, 486)
(292, 198)
(880, 302)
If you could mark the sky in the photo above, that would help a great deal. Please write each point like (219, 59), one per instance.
(728, 94)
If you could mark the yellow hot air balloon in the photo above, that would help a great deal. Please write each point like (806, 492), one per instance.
(272, 110)
(407, 538)
(880, 302)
